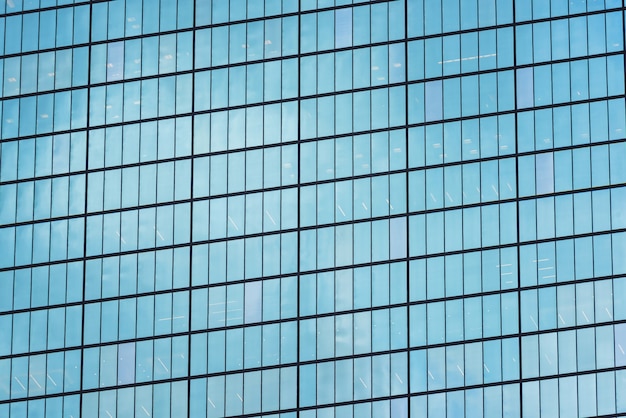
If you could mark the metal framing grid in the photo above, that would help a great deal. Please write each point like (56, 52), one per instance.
(298, 141)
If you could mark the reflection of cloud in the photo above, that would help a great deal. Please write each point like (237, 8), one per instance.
(10, 4)
(115, 61)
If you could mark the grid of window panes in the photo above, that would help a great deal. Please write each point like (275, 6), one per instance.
(312, 208)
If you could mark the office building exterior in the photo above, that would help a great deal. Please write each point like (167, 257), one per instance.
(312, 208)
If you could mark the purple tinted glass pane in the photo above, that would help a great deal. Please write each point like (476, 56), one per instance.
(434, 101)
(399, 408)
(253, 302)
(544, 173)
(397, 238)
(343, 28)
(525, 88)
(126, 363)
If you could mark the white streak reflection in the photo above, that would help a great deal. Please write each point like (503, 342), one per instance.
(269, 215)
(35, 380)
(459, 369)
(475, 57)
(19, 382)
(51, 379)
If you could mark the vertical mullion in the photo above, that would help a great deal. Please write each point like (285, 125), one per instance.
(407, 192)
(84, 270)
(299, 221)
(191, 215)
(517, 180)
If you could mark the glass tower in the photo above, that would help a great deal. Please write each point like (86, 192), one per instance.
(312, 208)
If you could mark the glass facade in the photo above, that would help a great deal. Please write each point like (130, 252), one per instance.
(312, 208)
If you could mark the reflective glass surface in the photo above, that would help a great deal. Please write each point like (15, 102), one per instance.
(312, 208)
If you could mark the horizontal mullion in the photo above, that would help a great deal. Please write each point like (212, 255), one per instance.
(371, 88)
(172, 31)
(329, 269)
(366, 355)
(295, 142)
(288, 57)
(57, 7)
(332, 224)
(296, 14)
(314, 316)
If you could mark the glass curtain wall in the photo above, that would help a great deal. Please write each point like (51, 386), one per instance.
(312, 208)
